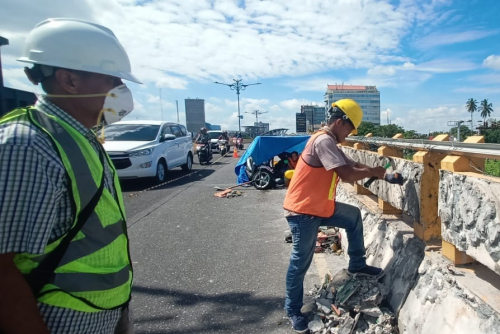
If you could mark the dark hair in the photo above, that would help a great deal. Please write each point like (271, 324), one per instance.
(336, 113)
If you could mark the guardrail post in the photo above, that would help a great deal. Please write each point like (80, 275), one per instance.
(391, 151)
(461, 164)
(360, 190)
(428, 226)
(454, 163)
(363, 146)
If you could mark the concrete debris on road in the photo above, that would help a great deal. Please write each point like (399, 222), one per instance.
(328, 241)
(228, 193)
(350, 305)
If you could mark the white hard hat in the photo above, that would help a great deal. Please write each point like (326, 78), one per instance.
(77, 45)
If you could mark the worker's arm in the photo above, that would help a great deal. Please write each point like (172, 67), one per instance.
(352, 173)
(18, 308)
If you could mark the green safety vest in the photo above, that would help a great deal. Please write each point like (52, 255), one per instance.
(95, 272)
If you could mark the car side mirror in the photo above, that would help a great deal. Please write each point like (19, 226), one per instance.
(167, 137)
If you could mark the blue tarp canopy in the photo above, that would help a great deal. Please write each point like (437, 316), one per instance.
(264, 148)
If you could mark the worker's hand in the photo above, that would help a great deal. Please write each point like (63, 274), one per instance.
(395, 178)
(378, 172)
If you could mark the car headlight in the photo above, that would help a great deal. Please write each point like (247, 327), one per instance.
(140, 153)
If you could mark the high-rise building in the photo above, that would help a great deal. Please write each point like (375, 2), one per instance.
(368, 97)
(195, 114)
(314, 116)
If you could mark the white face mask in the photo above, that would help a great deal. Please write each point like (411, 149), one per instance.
(117, 104)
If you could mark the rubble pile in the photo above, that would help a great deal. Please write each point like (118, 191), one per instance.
(350, 305)
(228, 193)
(328, 241)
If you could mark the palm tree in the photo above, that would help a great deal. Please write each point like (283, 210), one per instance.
(486, 109)
(471, 107)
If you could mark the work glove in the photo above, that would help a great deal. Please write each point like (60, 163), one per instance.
(394, 178)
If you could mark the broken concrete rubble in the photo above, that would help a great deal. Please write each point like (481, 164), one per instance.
(355, 302)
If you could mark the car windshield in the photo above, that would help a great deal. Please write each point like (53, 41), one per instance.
(214, 135)
(131, 132)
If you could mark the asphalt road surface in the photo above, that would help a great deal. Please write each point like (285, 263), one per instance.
(204, 264)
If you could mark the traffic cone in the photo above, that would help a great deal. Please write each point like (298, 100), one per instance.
(235, 152)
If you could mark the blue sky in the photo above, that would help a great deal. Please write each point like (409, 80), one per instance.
(427, 57)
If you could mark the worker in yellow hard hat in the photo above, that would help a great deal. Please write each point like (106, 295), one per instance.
(310, 202)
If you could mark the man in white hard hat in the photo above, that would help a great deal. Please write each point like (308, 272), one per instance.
(64, 253)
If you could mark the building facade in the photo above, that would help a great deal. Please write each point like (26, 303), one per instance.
(257, 129)
(315, 115)
(368, 97)
(195, 114)
(11, 98)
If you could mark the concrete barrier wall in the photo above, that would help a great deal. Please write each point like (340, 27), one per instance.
(439, 303)
(469, 208)
(407, 197)
(391, 245)
(426, 296)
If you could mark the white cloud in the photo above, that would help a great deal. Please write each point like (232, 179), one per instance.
(439, 38)
(424, 119)
(493, 62)
(294, 104)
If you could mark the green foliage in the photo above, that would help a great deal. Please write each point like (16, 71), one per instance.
(491, 135)
(365, 128)
(492, 167)
(387, 131)
(464, 132)
(485, 109)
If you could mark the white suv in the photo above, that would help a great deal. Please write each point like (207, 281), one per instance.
(148, 148)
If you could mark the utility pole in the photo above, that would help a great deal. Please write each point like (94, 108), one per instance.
(177, 104)
(256, 113)
(238, 86)
(457, 124)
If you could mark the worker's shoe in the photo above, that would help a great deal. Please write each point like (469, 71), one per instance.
(367, 271)
(299, 323)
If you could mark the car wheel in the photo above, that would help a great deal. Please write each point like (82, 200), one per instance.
(189, 163)
(263, 179)
(161, 172)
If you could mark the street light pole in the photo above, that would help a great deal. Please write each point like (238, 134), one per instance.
(256, 113)
(238, 86)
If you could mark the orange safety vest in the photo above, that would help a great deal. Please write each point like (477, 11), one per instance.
(312, 190)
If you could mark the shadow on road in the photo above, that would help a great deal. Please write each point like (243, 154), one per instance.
(174, 178)
(229, 312)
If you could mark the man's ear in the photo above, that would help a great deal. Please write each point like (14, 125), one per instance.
(68, 81)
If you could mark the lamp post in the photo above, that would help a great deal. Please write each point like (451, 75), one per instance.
(237, 86)
(256, 113)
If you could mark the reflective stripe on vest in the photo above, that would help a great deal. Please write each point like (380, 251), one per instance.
(95, 272)
(312, 190)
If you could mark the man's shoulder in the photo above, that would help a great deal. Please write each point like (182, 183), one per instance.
(325, 137)
(21, 132)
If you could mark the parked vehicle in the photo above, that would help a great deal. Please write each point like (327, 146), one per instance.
(257, 163)
(148, 148)
(204, 153)
(263, 176)
(223, 147)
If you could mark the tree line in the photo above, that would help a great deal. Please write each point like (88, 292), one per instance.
(485, 109)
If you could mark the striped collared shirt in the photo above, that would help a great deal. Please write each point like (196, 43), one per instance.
(36, 206)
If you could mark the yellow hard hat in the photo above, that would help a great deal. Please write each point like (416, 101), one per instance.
(352, 110)
(289, 174)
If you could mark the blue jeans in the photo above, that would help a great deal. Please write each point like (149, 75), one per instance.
(304, 230)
